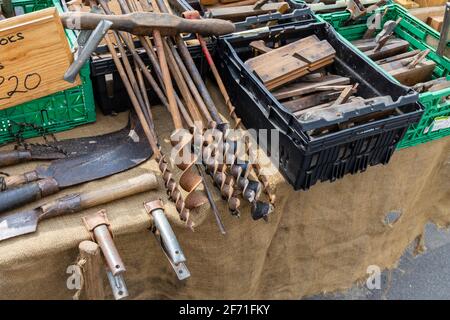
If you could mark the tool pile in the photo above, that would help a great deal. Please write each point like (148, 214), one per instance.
(409, 67)
(300, 76)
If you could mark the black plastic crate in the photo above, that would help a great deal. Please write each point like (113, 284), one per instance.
(109, 92)
(304, 159)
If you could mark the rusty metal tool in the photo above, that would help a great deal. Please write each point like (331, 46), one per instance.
(231, 108)
(144, 23)
(61, 149)
(357, 9)
(89, 47)
(167, 239)
(99, 227)
(16, 224)
(193, 199)
(386, 33)
(445, 31)
(47, 180)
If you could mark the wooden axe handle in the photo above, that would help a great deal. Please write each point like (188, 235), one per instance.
(143, 23)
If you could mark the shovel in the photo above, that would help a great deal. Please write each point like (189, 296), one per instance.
(132, 151)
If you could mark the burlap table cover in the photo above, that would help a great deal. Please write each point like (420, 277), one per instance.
(316, 241)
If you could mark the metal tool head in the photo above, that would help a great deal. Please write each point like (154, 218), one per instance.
(16, 224)
(69, 148)
(126, 154)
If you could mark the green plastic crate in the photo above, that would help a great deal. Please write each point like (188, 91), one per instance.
(27, 6)
(435, 122)
(54, 113)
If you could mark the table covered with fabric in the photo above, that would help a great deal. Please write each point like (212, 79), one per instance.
(315, 241)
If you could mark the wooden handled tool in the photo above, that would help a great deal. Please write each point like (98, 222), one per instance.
(16, 224)
(144, 23)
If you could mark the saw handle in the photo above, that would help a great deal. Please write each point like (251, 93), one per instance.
(8, 158)
(80, 201)
(17, 180)
(14, 198)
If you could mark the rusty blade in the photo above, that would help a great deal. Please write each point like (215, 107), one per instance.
(128, 153)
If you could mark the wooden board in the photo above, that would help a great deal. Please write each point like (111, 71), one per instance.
(34, 55)
(285, 64)
(435, 22)
(423, 13)
(408, 4)
(391, 48)
(421, 73)
(430, 3)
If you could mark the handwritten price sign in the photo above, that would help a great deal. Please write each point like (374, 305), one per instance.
(34, 55)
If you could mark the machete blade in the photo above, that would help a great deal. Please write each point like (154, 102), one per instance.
(134, 150)
(16, 224)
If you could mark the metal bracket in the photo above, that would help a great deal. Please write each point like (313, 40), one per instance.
(98, 226)
(118, 285)
(166, 238)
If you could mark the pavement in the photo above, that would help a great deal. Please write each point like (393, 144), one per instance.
(422, 277)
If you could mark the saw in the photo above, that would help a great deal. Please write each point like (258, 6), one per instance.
(16, 224)
(64, 173)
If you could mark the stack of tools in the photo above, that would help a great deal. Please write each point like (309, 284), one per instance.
(300, 76)
(190, 107)
(409, 67)
(238, 11)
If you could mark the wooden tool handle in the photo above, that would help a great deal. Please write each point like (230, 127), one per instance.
(8, 158)
(143, 23)
(120, 190)
(79, 201)
(17, 180)
(14, 198)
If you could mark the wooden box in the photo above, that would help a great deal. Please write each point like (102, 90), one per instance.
(34, 55)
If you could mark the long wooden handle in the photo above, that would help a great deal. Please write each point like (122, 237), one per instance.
(120, 190)
(8, 158)
(143, 23)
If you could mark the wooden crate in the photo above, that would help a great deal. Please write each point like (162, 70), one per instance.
(34, 55)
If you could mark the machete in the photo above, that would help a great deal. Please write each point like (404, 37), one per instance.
(69, 172)
(16, 224)
(62, 149)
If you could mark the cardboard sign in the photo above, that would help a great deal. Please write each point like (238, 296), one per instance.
(34, 55)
